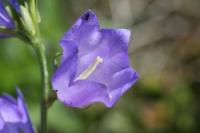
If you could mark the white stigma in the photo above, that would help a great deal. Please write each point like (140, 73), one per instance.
(91, 68)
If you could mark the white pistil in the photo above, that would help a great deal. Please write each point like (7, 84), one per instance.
(91, 68)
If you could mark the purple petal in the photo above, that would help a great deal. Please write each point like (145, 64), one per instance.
(83, 26)
(14, 117)
(62, 78)
(15, 128)
(116, 39)
(21, 106)
(5, 19)
(84, 92)
(121, 82)
(1, 123)
(24, 110)
(9, 98)
(9, 111)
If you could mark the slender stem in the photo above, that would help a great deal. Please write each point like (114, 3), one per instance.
(40, 51)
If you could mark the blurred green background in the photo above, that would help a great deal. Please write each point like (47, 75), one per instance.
(164, 49)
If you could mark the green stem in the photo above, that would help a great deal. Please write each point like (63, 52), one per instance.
(40, 51)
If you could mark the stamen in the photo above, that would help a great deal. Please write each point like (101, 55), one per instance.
(91, 68)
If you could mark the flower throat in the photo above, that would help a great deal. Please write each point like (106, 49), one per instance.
(90, 69)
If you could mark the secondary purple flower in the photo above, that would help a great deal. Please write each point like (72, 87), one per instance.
(6, 21)
(94, 65)
(14, 117)
(19, 19)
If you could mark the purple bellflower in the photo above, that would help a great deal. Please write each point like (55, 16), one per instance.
(94, 65)
(6, 21)
(14, 117)
(26, 18)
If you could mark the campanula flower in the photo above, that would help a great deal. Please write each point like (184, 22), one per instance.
(94, 65)
(6, 21)
(20, 18)
(14, 117)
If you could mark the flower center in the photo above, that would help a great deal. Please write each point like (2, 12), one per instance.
(91, 68)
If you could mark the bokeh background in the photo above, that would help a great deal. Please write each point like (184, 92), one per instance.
(164, 49)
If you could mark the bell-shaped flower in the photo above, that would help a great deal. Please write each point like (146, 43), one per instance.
(19, 18)
(14, 116)
(94, 65)
(6, 22)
